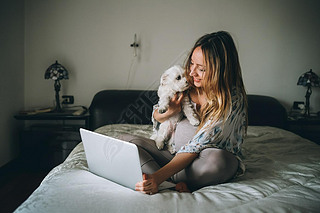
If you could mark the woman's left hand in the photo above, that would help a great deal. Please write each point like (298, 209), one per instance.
(148, 185)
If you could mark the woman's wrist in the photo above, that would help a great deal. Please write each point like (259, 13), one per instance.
(159, 177)
(155, 177)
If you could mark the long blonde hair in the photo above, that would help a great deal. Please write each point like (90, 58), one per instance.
(222, 74)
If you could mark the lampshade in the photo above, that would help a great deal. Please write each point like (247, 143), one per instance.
(56, 72)
(309, 78)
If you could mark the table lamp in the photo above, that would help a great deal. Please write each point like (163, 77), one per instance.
(56, 72)
(308, 79)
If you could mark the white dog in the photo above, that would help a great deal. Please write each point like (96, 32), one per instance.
(172, 81)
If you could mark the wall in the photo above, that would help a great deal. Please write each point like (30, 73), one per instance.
(12, 75)
(278, 40)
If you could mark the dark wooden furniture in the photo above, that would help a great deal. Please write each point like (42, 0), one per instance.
(48, 138)
(308, 127)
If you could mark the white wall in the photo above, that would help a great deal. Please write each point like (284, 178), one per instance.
(278, 40)
(12, 75)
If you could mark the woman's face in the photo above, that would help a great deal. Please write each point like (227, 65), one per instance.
(197, 67)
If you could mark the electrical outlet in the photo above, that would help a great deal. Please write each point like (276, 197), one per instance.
(67, 99)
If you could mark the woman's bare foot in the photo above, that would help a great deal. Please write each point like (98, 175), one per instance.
(182, 187)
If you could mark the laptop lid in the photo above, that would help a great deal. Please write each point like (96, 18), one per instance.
(111, 158)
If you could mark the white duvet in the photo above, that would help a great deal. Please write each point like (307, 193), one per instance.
(282, 175)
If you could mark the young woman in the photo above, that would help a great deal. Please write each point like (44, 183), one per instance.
(209, 154)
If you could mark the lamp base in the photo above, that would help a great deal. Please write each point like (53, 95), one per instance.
(58, 109)
(308, 94)
(57, 87)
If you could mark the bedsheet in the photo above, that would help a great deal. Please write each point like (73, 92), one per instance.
(282, 175)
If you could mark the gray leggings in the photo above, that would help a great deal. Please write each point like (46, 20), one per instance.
(212, 166)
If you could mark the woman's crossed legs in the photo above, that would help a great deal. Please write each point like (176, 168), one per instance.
(213, 166)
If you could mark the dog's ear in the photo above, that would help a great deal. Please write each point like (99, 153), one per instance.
(163, 79)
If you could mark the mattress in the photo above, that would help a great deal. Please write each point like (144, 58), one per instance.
(282, 175)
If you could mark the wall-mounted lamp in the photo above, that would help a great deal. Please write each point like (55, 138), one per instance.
(134, 45)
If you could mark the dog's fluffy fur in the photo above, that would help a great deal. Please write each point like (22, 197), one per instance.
(172, 81)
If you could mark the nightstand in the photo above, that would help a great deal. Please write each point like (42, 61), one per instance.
(308, 127)
(48, 138)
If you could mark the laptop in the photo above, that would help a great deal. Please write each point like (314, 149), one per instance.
(114, 159)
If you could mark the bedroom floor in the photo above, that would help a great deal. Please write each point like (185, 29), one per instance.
(16, 186)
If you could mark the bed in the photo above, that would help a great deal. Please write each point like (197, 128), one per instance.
(282, 173)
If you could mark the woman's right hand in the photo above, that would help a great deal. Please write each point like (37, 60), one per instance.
(148, 185)
(173, 109)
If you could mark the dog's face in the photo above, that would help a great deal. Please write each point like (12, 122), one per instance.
(175, 79)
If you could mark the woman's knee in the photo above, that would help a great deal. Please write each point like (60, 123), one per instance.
(137, 140)
(216, 166)
(161, 156)
(126, 137)
(216, 160)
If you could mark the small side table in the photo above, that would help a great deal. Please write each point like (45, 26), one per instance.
(62, 116)
(308, 127)
(49, 138)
